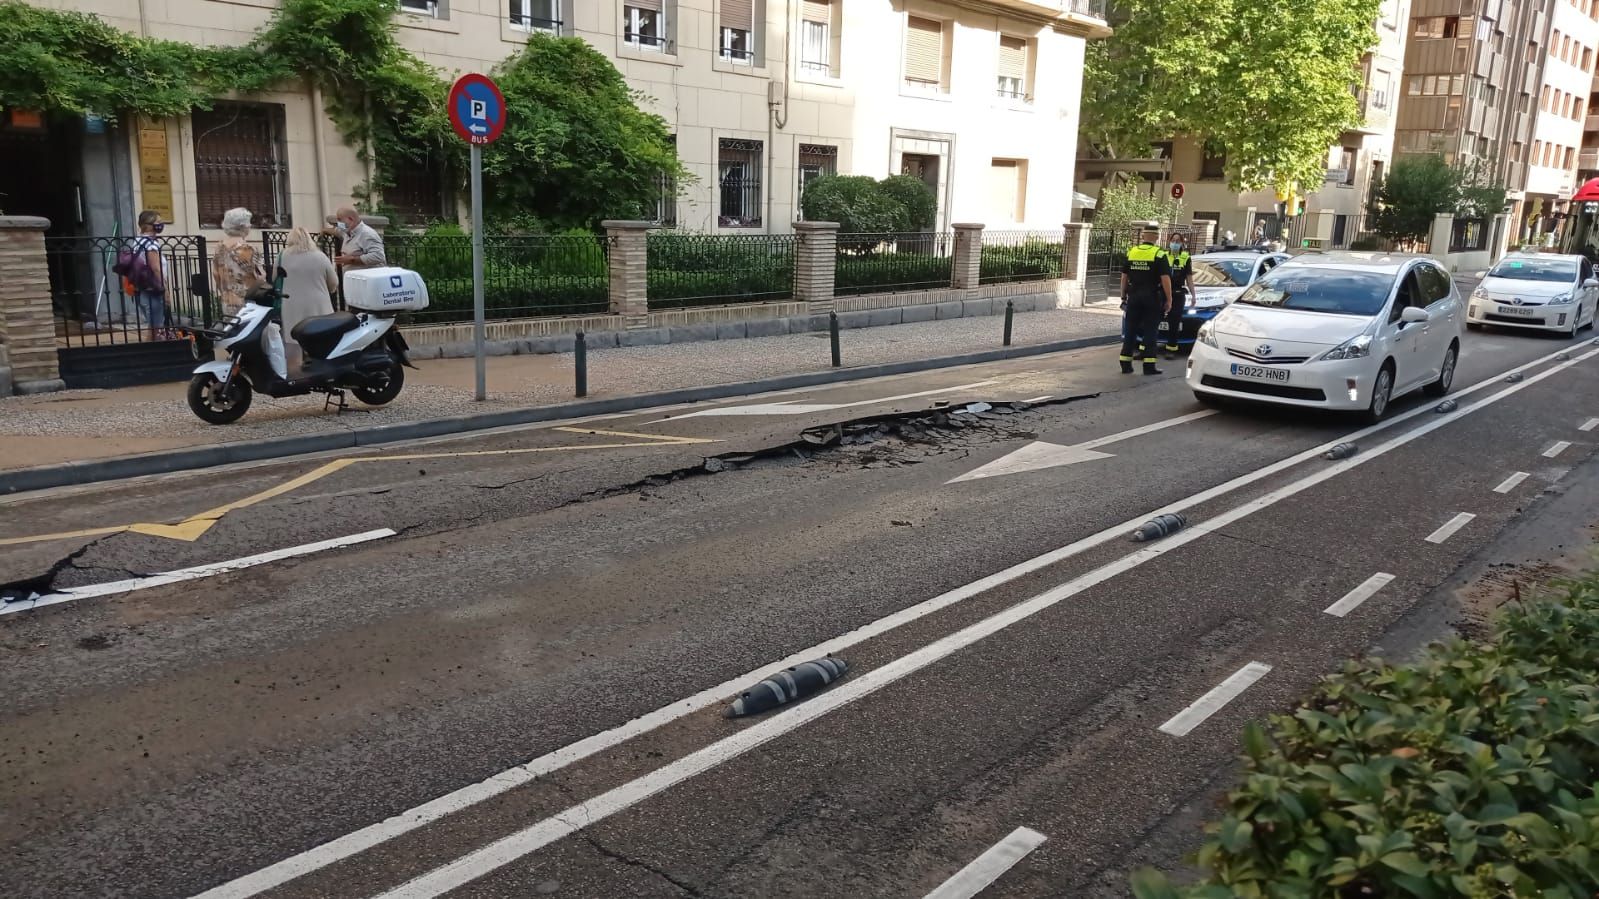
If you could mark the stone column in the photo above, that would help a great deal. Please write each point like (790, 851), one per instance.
(27, 320)
(630, 275)
(1074, 265)
(378, 223)
(815, 264)
(968, 256)
(1443, 230)
(1204, 235)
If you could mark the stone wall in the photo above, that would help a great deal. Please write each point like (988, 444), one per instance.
(28, 361)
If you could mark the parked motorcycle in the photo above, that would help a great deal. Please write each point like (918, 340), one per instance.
(360, 351)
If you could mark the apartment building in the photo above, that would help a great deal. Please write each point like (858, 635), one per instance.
(977, 97)
(1354, 163)
(1564, 105)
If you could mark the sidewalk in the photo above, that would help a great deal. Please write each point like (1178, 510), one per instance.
(78, 425)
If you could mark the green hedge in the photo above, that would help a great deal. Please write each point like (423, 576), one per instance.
(696, 269)
(1034, 260)
(858, 274)
(1470, 773)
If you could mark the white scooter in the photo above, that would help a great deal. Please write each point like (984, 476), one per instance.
(360, 351)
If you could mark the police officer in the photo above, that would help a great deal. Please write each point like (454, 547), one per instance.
(1146, 286)
(1182, 290)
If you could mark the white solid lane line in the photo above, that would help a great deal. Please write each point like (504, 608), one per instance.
(1040, 399)
(1360, 594)
(1450, 527)
(1589, 425)
(355, 842)
(112, 588)
(1147, 429)
(1512, 482)
(1180, 724)
(508, 849)
(987, 868)
(1557, 449)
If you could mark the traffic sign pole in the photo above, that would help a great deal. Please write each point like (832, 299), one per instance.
(477, 272)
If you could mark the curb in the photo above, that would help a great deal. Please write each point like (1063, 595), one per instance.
(97, 470)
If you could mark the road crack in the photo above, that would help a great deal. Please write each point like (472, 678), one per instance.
(686, 888)
(45, 584)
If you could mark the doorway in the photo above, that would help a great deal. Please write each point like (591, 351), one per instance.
(926, 156)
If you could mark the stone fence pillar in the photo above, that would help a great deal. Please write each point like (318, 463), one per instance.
(1204, 235)
(815, 264)
(968, 256)
(1074, 264)
(630, 274)
(1443, 232)
(27, 319)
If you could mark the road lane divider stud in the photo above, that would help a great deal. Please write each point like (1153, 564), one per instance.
(1513, 377)
(1447, 406)
(786, 686)
(1341, 451)
(1563, 357)
(1160, 526)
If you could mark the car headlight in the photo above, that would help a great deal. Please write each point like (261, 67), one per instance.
(1562, 300)
(1480, 293)
(1207, 335)
(1354, 348)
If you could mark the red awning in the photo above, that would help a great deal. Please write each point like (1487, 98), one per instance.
(1588, 193)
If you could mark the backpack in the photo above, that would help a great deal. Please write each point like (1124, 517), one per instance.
(133, 263)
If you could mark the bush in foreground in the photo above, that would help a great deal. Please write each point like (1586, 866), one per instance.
(1470, 773)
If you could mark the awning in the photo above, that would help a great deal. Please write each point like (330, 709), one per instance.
(1588, 193)
(1083, 201)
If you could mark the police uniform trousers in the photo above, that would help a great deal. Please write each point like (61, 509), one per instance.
(1143, 328)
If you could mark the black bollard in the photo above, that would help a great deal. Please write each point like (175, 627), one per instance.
(1010, 314)
(580, 361)
(832, 327)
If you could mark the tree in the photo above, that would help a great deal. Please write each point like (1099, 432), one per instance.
(1269, 82)
(1416, 191)
(577, 148)
(1480, 195)
(860, 205)
(1122, 204)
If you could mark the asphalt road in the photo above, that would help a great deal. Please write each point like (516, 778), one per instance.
(548, 638)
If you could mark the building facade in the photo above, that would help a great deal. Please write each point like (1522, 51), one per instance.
(979, 99)
(1570, 52)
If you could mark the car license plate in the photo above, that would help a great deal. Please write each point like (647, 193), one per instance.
(1260, 373)
(1517, 310)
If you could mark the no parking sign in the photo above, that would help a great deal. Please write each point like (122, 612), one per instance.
(477, 109)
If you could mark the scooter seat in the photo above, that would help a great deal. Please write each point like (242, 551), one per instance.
(321, 329)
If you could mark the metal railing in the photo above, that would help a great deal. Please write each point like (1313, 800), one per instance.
(709, 270)
(95, 306)
(523, 275)
(1009, 256)
(1095, 8)
(1468, 235)
(891, 263)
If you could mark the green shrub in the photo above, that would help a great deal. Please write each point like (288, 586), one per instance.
(695, 269)
(1470, 773)
(861, 205)
(1033, 260)
(907, 271)
(919, 205)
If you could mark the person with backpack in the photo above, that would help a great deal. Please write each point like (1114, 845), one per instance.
(140, 263)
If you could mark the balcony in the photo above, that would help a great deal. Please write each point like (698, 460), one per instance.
(1376, 111)
(1085, 18)
(1588, 160)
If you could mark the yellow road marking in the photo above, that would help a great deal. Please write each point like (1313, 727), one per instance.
(192, 528)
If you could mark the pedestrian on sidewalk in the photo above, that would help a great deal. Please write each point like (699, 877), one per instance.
(1146, 288)
(309, 283)
(362, 245)
(149, 280)
(236, 266)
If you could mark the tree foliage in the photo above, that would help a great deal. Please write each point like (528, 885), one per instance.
(1269, 82)
(1420, 188)
(1122, 204)
(861, 205)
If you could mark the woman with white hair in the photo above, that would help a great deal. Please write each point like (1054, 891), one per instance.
(309, 282)
(236, 266)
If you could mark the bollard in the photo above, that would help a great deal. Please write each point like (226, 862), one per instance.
(1341, 451)
(1513, 377)
(580, 361)
(1447, 406)
(1159, 526)
(1010, 314)
(832, 327)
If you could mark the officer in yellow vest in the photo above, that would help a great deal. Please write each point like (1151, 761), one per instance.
(1146, 286)
(1182, 290)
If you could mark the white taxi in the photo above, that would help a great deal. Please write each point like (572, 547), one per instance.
(1542, 291)
(1343, 331)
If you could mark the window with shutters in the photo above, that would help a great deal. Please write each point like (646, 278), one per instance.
(815, 160)
(736, 31)
(924, 55)
(738, 170)
(1212, 166)
(644, 24)
(240, 161)
(1007, 191)
(536, 15)
(816, 38)
(1013, 68)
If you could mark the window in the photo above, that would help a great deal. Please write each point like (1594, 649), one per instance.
(1452, 113)
(1571, 157)
(738, 164)
(644, 24)
(1162, 149)
(815, 160)
(418, 195)
(1349, 163)
(1576, 110)
(1413, 85)
(1434, 283)
(1544, 102)
(1013, 68)
(536, 15)
(1587, 59)
(1515, 151)
(239, 160)
(1007, 190)
(1429, 27)
(816, 38)
(1379, 86)
(666, 197)
(924, 55)
(429, 8)
(1212, 166)
(736, 36)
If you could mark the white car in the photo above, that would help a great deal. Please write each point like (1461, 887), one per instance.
(1345, 331)
(1544, 291)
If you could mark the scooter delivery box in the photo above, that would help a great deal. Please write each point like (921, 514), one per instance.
(385, 290)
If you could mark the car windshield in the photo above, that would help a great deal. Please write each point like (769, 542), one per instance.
(1331, 290)
(1222, 272)
(1557, 270)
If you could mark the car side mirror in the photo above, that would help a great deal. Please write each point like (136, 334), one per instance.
(1591, 283)
(1480, 275)
(1415, 315)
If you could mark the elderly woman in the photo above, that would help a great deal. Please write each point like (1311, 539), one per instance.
(309, 283)
(236, 267)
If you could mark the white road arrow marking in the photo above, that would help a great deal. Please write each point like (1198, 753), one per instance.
(1032, 457)
(791, 408)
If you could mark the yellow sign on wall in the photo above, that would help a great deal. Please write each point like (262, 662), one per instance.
(155, 167)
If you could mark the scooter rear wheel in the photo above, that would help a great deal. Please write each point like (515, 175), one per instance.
(377, 396)
(206, 399)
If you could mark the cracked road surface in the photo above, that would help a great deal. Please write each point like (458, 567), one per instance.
(521, 692)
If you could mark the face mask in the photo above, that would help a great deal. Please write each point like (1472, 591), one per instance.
(1176, 248)
(159, 227)
(342, 228)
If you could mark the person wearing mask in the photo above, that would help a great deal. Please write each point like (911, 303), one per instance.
(361, 245)
(1146, 287)
(236, 266)
(1182, 290)
(309, 283)
(151, 293)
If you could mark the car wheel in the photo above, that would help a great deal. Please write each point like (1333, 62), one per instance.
(1473, 326)
(1382, 392)
(1446, 372)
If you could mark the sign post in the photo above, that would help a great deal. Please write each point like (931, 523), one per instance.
(477, 110)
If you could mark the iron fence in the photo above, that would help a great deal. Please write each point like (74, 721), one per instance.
(95, 306)
(1010, 256)
(1105, 251)
(893, 262)
(708, 270)
(1468, 236)
(273, 243)
(523, 275)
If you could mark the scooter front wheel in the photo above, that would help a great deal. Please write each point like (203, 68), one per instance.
(379, 395)
(207, 399)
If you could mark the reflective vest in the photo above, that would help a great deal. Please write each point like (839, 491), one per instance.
(1179, 270)
(1143, 278)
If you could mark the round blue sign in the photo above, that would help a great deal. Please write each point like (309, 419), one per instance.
(477, 109)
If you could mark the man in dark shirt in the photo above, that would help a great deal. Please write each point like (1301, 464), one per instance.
(1146, 286)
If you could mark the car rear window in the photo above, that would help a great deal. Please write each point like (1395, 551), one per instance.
(1557, 270)
(1318, 289)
